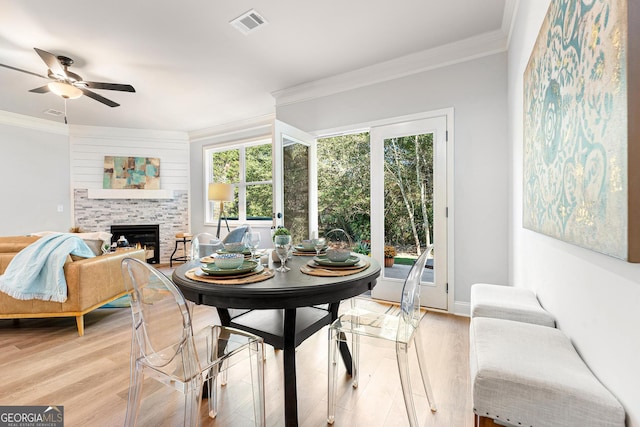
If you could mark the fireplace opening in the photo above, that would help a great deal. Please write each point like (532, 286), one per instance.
(148, 236)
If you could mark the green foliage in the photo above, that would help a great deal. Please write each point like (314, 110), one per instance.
(258, 163)
(281, 231)
(344, 184)
(296, 190)
(259, 201)
(362, 248)
(408, 180)
(226, 168)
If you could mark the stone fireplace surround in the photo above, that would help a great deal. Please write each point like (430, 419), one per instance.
(100, 214)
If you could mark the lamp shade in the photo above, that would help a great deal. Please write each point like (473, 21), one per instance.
(65, 90)
(220, 192)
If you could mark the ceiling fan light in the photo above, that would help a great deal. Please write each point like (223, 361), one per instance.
(65, 90)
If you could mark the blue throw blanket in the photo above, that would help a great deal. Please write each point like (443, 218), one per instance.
(36, 272)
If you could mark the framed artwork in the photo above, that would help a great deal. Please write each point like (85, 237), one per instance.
(131, 172)
(582, 128)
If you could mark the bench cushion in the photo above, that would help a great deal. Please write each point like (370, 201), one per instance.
(507, 302)
(530, 375)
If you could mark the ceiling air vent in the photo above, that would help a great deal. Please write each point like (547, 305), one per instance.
(249, 22)
(53, 112)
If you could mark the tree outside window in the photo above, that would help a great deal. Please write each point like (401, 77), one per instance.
(248, 168)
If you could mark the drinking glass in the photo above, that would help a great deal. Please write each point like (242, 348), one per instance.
(252, 241)
(318, 244)
(282, 244)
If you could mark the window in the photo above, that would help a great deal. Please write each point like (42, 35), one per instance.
(248, 168)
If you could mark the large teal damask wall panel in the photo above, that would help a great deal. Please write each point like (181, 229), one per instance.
(576, 137)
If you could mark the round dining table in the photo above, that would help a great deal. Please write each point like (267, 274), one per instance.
(284, 309)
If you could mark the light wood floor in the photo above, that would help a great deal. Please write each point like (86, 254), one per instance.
(44, 362)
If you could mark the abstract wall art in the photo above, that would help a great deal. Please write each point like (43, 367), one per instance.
(131, 172)
(581, 155)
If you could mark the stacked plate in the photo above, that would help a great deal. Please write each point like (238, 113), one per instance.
(246, 252)
(301, 250)
(322, 261)
(247, 268)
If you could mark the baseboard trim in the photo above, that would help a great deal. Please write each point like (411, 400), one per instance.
(462, 308)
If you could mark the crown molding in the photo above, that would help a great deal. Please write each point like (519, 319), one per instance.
(83, 131)
(34, 123)
(464, 50)
(509, 17)
(264, 122)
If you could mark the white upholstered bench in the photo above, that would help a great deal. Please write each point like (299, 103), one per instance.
(507, 302)
(530, 375)
(524, 372)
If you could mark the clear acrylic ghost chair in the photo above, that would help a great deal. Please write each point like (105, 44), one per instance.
(164, 347)
(204, 244)
(401, 329)
(237, 234)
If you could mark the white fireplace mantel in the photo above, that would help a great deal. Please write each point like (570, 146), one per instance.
(94, 193)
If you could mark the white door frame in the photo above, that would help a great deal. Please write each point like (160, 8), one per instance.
(449, 114)
(282, 130)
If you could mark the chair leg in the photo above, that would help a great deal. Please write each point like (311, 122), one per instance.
(485, 422)
(256, 351)
(402, 357)
(192, 400)
(224, 375)
(212, 379)
(355, 359)
(135, 395)
(355, 349)
(212, 388)
(332, 375)
(423, 370)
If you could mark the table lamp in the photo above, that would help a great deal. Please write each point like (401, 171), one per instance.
(221, 192)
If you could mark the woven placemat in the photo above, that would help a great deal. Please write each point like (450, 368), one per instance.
(266, 274)
(358, 265)
(318, 270)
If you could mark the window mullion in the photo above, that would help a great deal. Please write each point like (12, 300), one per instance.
(242, 186)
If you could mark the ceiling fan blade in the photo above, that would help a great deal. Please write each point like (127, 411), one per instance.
(41, 89)
(23, 71)
(52, 62)
(99, 98)
(110, 86)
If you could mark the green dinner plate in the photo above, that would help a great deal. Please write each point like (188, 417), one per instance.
(323, 260)
(246, 267)
(224, 251)
(301, 248)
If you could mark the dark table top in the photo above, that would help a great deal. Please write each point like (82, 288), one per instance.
(286, 290)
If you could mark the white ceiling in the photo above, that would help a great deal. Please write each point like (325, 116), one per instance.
(192, 70)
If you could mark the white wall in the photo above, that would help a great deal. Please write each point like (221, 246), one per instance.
(34, 172)
(477, 91)
(89, 145)
(42, 162)
(594, 297)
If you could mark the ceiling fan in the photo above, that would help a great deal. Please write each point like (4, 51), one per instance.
(67, 84)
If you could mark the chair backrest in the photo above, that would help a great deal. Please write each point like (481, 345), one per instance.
(161, 320)
(410, 302)
(237, 234)
(204, 244)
